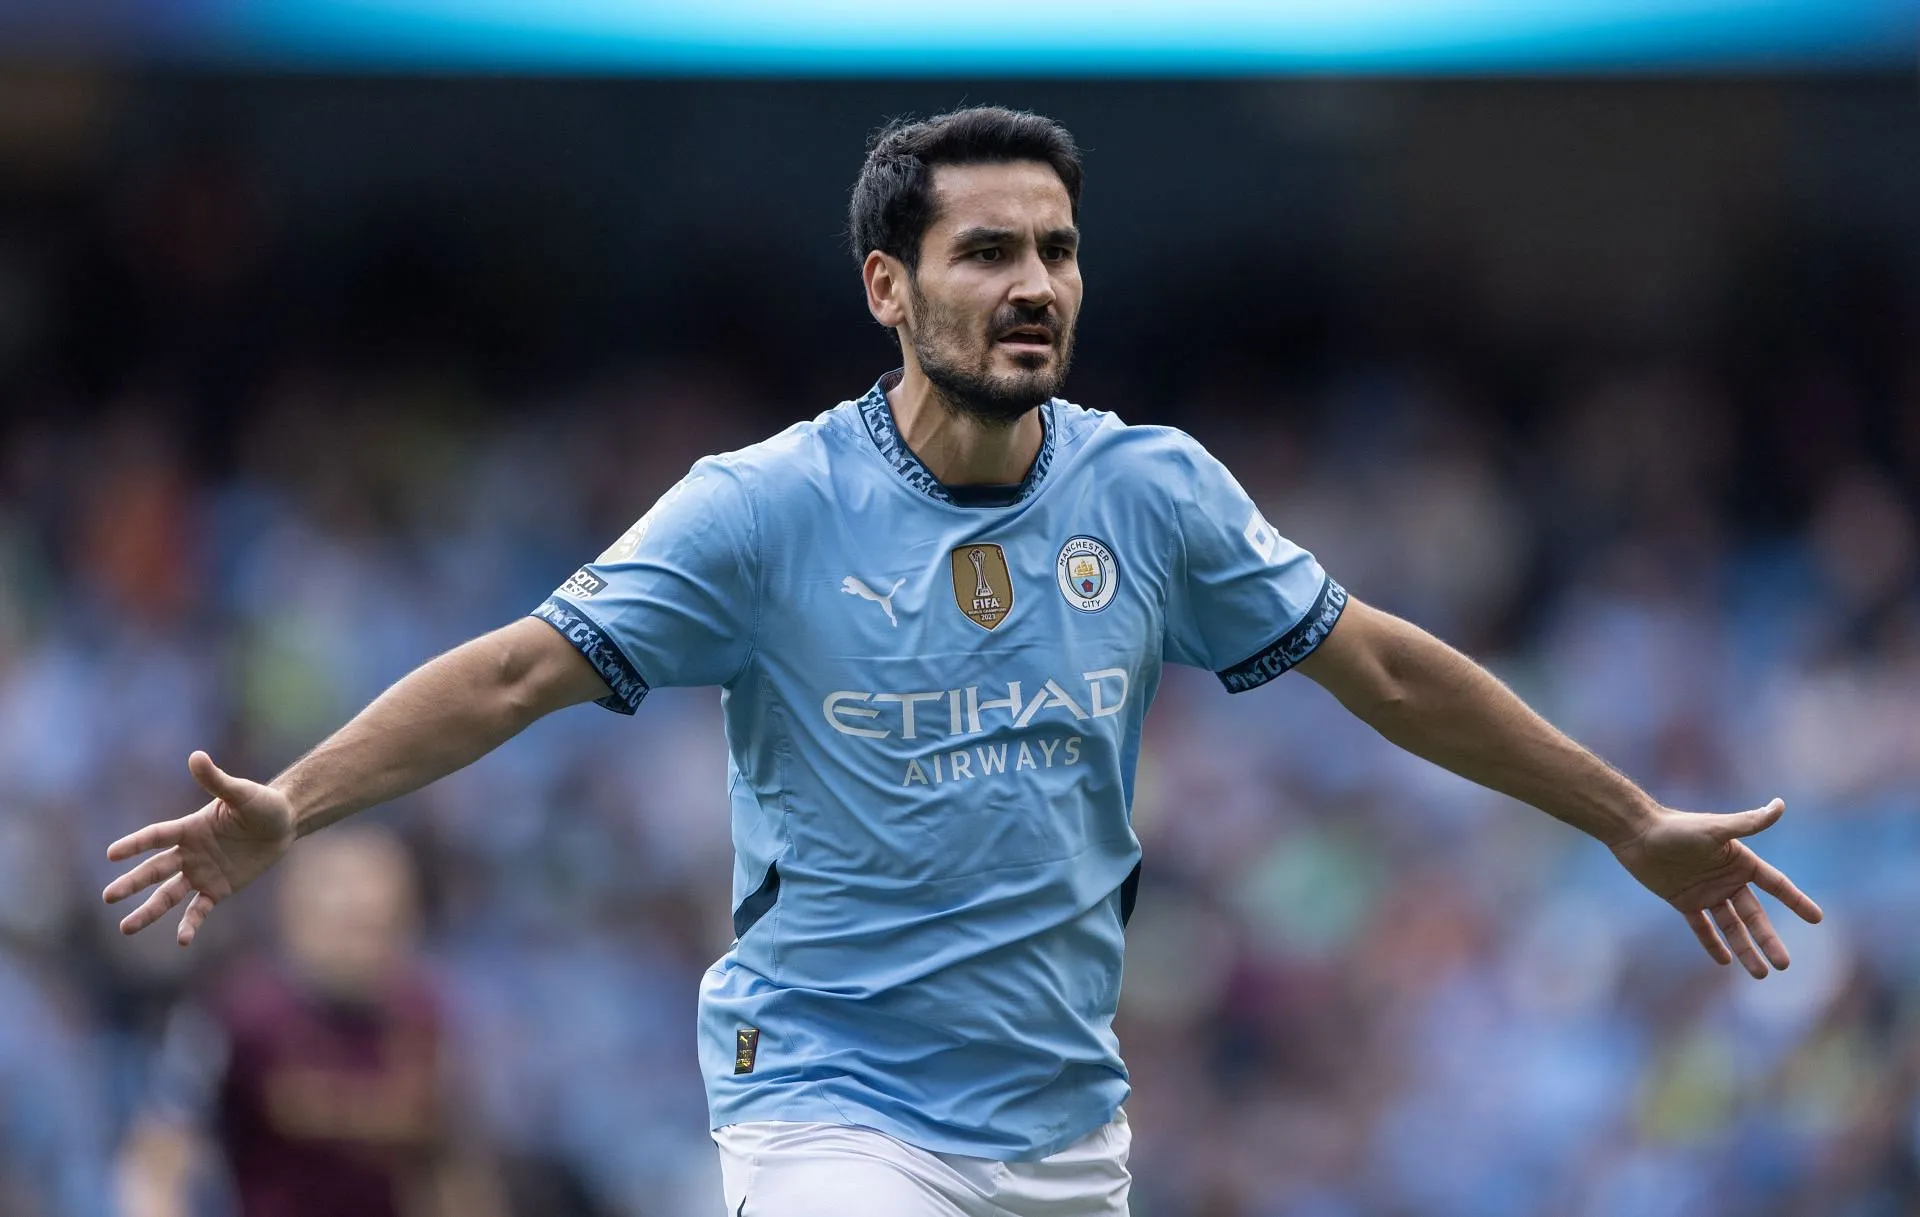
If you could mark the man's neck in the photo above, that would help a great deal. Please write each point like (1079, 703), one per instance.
(957, 449)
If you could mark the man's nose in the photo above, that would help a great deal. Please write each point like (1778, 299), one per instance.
(1033, 287)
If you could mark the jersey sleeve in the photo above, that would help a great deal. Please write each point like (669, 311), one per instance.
(673, 601)
(1247, 603)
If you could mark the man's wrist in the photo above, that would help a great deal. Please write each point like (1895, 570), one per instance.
(301, 814)
(1630, 822)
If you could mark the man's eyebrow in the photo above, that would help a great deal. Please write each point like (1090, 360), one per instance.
(983, 235)
(986, 235)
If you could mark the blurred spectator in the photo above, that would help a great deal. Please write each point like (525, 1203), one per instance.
(320, 1080)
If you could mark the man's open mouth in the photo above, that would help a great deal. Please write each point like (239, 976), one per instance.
(1034, 336)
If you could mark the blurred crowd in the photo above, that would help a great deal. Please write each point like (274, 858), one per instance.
(1356, 986)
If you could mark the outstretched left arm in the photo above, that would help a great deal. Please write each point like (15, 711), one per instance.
(1431, 700)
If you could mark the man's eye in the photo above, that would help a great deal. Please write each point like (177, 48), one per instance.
(989, 254)
(1056, 253)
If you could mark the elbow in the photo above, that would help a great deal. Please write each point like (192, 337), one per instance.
(1384, 703)
(1391, 698)
(517, 705)
(1387, 694)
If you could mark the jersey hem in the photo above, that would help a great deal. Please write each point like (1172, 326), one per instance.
(1279, 656)
(815, 1109)
(597, 647)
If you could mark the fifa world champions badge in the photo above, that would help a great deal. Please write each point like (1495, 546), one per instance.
(982, 584)
(1088, 574)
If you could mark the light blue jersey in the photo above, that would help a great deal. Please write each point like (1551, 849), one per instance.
(933, 705)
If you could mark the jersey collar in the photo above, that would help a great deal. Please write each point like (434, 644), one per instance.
(878, 416)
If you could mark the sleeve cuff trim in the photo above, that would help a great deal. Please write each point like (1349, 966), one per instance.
(1280, 655)
(628, 689)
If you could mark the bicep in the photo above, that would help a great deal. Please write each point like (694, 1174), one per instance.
(1356, 661)
(545, 671)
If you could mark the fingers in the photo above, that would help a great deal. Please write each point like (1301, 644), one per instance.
(1747, 823)
(217, 781)
(1747, 905)
(170, 893)
(1703, 930)
(154, 836)
(153, 870)
(1781, 888)
(190, 921)
(166, 834)
(1735, 932)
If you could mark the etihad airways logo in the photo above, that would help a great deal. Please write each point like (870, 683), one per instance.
(1100, 694)
(958, 713)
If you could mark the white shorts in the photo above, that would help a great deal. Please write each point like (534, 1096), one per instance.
(835, 1170)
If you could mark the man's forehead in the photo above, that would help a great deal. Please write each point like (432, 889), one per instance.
(1012, 194)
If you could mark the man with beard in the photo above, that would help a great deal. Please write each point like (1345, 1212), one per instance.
(938, 614)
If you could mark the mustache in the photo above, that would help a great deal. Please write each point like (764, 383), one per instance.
(1006, 320)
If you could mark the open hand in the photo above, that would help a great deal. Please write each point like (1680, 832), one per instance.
(1698, 864)
(208, 855)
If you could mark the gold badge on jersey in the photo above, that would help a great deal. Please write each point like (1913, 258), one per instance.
(746, 1047)
(982, 586)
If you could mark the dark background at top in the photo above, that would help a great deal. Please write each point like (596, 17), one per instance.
(213, 229)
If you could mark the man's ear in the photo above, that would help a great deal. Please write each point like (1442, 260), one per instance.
(887, 280)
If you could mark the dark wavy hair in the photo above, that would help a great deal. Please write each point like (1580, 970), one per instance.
(892, 202)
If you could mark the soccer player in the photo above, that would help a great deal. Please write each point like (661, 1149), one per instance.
(937, 614)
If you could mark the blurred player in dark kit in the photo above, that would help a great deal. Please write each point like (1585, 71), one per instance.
(319, 1077)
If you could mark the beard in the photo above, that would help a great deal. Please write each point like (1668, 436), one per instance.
(965, 383)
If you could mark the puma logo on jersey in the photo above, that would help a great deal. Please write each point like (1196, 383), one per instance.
(852, 586)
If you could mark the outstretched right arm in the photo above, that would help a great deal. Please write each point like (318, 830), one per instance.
(443, 716)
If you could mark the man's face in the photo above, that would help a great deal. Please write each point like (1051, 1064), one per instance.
(993, 304)
(347, 912)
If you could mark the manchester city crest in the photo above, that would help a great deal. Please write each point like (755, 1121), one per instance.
(1088, 574)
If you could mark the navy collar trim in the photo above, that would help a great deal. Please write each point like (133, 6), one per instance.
(878, 416)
